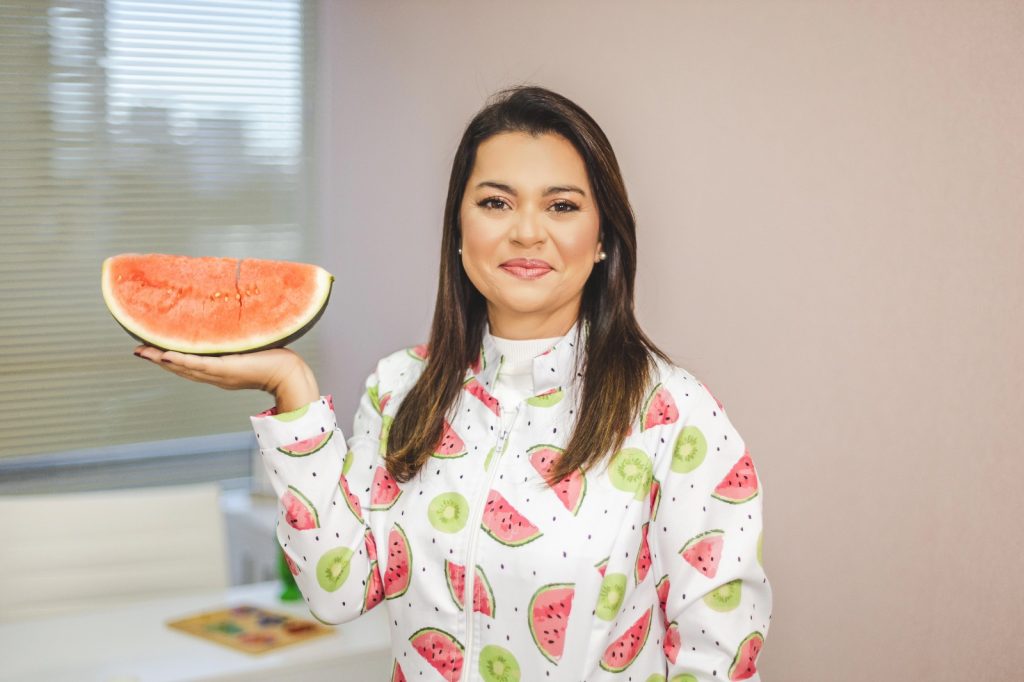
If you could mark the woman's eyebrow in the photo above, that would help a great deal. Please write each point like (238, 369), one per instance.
(554, 189)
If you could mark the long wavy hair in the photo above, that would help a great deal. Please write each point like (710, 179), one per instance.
(617, 363)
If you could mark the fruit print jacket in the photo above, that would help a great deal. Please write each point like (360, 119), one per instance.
(646, 569)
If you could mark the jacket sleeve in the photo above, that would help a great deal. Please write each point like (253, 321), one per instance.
(323, 485)
(706, 547)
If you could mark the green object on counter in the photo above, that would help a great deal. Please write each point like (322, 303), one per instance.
(290, 590)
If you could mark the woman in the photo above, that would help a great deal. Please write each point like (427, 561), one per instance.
(539, 460)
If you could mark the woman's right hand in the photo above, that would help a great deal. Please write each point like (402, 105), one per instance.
(276, 371)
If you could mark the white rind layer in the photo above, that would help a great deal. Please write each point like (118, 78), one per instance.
(324, 282)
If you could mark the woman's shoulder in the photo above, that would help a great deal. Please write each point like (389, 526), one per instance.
(400, 368)
(679, 386)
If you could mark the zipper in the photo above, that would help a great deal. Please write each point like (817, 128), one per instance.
(470, 571)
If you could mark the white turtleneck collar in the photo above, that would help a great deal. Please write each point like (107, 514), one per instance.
(519, 353)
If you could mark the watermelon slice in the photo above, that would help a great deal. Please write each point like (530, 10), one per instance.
(655, 497)
(370, 544)
(420, 352)
(643, 556)
(483, 595)
(621, 653)
(451, 446)
(548, 398)
(602, 565)
(549, 614)
(744, 663)
(506, 525)
(351, 501)
(740, 484)
(291, 564)
(571, 489)
(662, 588)
(213, 306)
(307, 446)
(672, 642)
(477, 390)
(441, 650)
(299, 512)
(396, 577)
(384, 491)
(659, 409)
(396, 673)
(374, 592)
(704, 551)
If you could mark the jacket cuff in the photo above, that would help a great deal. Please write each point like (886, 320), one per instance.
(301, 429)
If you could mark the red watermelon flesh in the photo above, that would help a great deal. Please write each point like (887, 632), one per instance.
(660, 408)
(396, 674)
(441, 650)
(306, 446)
(371, 545)
(704, 552)
(420, 352)
(662, 588)
(506, 525)
(549, 614)
(602, 566)
(483, 596)
(740, 484)
(374, 592)
(643, 557)
(291, 564)
(672, 642)
(350, 498)
(571, 489)
(477, 390)
(396, 577)
(299, 512)
(621, 653)
(655, 497)
(211, 305)
(451, 445)
(744, 664)
(384, 491)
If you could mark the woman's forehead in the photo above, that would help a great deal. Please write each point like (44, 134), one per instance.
(529, 163)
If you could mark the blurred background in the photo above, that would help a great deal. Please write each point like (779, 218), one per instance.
(831, 236)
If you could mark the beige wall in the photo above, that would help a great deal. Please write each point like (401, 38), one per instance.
(831, 227)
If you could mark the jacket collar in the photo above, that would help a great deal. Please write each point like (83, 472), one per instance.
(554, 368)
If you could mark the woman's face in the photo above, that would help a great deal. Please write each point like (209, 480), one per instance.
(529, 198)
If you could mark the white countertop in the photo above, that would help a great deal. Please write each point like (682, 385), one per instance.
(131, 643)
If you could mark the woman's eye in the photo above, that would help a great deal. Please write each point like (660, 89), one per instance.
(564, 207)
(487, 203)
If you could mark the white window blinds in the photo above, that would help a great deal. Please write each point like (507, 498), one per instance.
(138, 126)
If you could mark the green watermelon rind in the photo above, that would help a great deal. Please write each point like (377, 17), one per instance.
(408, 566)
(487, 591)
(442, 634)
(548, 398)
(756, 634)
(346, 494)
(529, 611)
(646, 620)
(324, 282)
(320, 441)
(304, 501)
(449, 580)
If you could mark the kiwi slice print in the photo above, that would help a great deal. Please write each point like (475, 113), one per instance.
(631, 470)
(498, 665)
(726, 597)
(613, 589)
(448, 512)
(685, 677)
(689, 450)
(332, 569)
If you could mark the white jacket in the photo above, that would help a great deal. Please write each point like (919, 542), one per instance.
(646, 569)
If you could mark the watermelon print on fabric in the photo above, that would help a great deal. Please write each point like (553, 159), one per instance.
(648, 566)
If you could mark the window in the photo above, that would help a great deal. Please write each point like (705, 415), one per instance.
(138, 126)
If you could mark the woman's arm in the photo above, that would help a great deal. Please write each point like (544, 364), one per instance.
(706, 543)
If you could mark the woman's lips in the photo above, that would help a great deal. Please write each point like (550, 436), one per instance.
(525, 272)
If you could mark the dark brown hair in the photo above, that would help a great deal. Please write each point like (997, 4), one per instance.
(617, 363)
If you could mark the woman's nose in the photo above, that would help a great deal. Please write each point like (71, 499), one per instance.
(527, 229)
